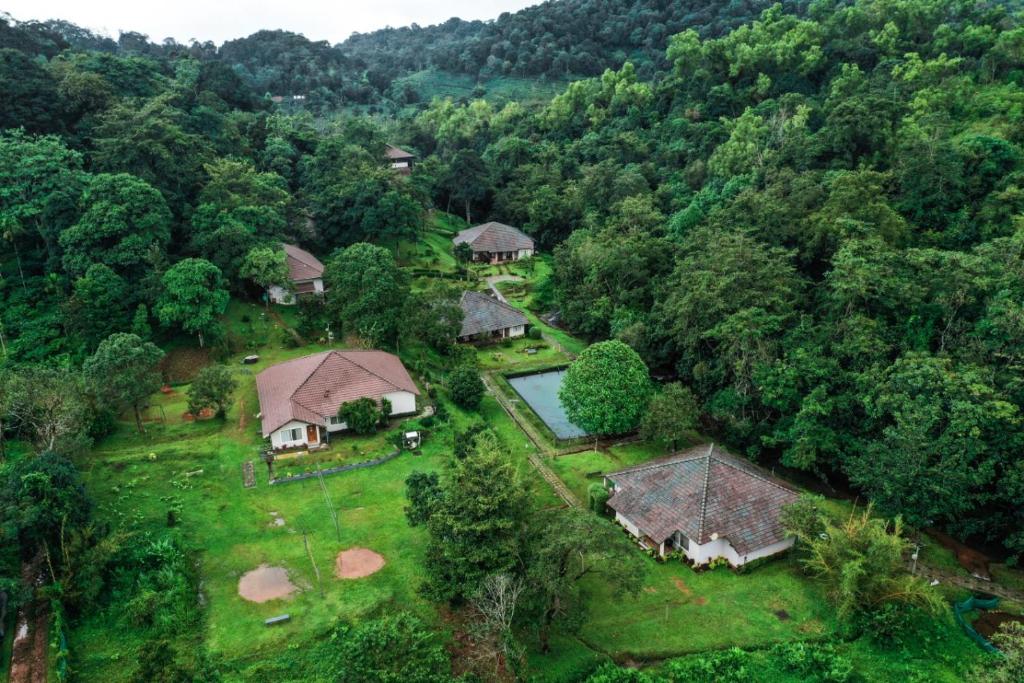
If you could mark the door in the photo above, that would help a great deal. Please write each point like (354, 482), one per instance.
(312, 434)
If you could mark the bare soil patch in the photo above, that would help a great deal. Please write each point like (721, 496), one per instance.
(355, 563)
(989, 622)
(204, 414)
(265, 583)
(182, 365)
(681, 586)
(970, 559)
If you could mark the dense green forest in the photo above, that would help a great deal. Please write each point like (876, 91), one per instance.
(810, 214)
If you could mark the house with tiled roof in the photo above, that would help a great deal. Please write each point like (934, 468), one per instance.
(704, 502)
(485, 317)
(496, 242)
(399, 160)
(300, 398)
(305, 272)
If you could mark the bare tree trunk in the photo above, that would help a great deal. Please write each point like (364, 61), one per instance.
(201, 344)
(467, 212)
(21, 273)
(138, 418)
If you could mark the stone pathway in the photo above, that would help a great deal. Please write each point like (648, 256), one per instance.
(969, 583)
(248, 474)
(493, 280)
(536, 460)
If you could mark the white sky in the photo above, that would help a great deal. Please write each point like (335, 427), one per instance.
(220, 20)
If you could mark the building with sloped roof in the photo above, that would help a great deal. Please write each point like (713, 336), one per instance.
(399, 160)
(305, 272)
(704, 502)
(496, 242)
(300, 398)
(484, 318)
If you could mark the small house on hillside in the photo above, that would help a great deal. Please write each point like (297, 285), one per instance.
(305, 272)
(484, 317)
(399, 159)
(496, 242)
(704, 502)
(300, 398)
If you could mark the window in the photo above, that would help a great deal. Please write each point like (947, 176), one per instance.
(334, 420)
(292, 434)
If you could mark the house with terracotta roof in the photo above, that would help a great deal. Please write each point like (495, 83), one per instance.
(704, 502)
(305, 272)
(400, 160)
(300, 398)
(485, 317)
(496, 242)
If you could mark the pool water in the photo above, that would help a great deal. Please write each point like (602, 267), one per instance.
(540, 391)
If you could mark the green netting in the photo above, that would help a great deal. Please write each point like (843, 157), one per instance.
(973, 603)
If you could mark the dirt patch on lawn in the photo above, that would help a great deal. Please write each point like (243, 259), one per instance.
(989, 623)
(182, 365)
(355, 563)
(681, 586)
(204, 414)
(970, 559)
(265, 583)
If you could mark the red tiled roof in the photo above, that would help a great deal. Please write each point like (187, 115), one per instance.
(493, 237)
(311, 388)
(700, 492)
(302, 265)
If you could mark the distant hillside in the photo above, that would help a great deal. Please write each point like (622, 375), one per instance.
(554, 41)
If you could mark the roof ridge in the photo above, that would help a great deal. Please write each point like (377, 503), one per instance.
(494, 300)
(360, 365)
(656, 465)
(300, 260)
(704, 495)
(327, 354)
(754, 474)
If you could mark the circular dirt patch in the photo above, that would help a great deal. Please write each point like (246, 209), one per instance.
(355, 563)
(265, 583)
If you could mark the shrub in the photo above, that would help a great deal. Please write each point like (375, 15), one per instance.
(361, 415)
(597, 497)
(465, 387)
(814, 661)
(535, 333)
(727, 666)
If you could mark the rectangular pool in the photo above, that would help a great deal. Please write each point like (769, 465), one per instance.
(540, 391)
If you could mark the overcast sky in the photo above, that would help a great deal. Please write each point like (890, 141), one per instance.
(220, 20)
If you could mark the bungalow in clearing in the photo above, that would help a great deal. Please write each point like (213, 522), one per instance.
(399, 159)
(299, 398)
(305, 272)
(496, 242)
(484, 317)
(704, 502)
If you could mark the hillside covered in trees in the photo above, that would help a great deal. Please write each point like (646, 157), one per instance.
(810, 215)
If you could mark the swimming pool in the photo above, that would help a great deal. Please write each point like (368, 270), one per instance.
(540, 391)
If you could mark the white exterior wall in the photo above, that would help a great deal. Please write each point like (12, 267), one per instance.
(402, 402)
(318, 286)
(278, 439)
(399, 164)
(702, 554)
(280, 295)
(630, 527)
(524, 253)
(517, 331)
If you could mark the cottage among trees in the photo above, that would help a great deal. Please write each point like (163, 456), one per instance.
(496, 242)
(484, 317)
(400, 160)
(305, 272)
(704, 502)
(300, 398)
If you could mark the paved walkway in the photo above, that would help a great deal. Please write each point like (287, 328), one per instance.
(493, 280)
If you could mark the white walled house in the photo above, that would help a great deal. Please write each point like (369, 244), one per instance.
(300, 398)
(486, 318)
(705, 503)
(399, 160)
(496, 242)
(305, 273)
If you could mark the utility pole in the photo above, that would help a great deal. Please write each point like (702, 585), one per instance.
(327, 499)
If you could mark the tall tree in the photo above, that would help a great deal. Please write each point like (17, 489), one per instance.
(606, 389)
(366, 293)
(124, 372)
(265, 267)
(194, 297)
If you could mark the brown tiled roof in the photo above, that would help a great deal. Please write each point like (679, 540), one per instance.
(395, 153)
(700, 492)
(493, 237)
(313, 387)
(482, 313)
(301, 264)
